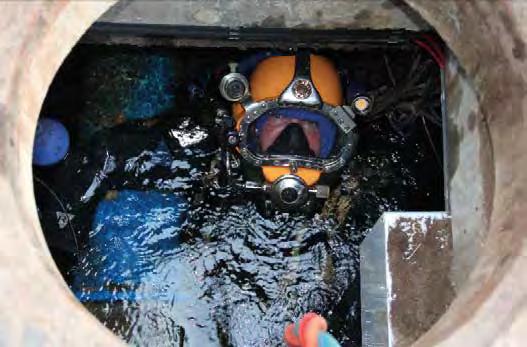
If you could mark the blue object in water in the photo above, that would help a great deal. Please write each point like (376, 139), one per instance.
(151, 94)
(324, 339)
(132, 234)
(52, 142)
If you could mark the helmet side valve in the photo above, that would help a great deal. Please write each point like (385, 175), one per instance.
(234, 86)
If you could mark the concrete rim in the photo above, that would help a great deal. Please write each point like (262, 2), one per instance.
(490, 308)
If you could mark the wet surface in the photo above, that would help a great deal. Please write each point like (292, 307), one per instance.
(225, 275)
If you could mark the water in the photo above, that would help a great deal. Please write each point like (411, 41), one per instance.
(236, 277)
(241, 279)
(231, 277)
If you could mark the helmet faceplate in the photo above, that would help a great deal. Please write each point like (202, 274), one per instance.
(301, 92)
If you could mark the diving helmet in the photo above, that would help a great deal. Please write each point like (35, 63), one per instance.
(292, 123)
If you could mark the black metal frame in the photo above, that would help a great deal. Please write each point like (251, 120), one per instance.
(293, 36)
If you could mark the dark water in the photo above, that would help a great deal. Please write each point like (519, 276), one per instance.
(241, 280)
(234, 278)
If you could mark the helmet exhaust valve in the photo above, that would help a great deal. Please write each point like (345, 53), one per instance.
(289, 191)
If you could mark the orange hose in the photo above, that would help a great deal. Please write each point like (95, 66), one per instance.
(309, 327)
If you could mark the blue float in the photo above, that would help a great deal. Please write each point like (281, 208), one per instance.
(132, 232)
(52, 142)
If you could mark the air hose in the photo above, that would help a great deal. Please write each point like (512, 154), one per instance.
(309, 331)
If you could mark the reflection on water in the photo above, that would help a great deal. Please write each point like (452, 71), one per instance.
(227, 275)
(239, 279)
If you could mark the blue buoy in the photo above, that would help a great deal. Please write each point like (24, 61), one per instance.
(52, 142)
(133, 231)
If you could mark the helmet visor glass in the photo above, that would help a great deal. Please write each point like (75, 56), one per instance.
(293, 131)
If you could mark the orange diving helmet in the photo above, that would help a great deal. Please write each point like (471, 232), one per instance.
(292, 122)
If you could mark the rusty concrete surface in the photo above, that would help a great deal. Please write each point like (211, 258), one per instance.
(419, 260)
(488, 38)
(405, 277)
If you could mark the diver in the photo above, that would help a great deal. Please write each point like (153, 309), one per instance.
(290, 132)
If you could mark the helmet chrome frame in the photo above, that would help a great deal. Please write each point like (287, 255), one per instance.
(342, 116)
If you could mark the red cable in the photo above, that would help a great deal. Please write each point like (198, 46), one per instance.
(437, 56)
(434, 45)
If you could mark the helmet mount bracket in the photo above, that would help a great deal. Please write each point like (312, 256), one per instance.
(301, 90)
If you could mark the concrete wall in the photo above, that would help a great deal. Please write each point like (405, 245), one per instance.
(467, 140)
(351, 14)
(36, 308)
(487, 37)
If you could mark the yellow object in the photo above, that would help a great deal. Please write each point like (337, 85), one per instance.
(269, 80)
(361, 104)
(310, 176)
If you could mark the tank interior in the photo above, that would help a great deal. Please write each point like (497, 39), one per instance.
(156, 254)
(481, 260)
